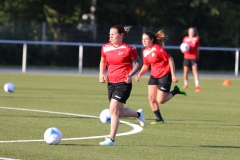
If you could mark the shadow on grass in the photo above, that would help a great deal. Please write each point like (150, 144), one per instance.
(194, 122)
(209, 146)
(77, 145)
(201, 146)
(38, 97)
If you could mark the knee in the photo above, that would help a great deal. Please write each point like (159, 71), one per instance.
(160, 101)
(151, 99)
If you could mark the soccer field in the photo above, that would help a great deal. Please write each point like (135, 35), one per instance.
(202, 125)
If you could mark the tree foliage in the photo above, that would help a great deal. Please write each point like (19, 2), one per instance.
(216, 20)
(213, 18)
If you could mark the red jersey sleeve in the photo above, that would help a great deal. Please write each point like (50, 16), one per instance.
(133, 53)
(163, 54)
(184, 39)
(102, 53)
(145, 60)
(198, 43)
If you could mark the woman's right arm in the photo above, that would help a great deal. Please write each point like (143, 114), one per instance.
(142, 72)
(102, 67)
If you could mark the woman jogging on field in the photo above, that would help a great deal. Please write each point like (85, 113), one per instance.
(162, 72)
(118, 57)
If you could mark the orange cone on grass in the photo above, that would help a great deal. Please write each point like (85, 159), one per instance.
(226, 83)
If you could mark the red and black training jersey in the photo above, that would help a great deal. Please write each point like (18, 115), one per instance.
(158, 58)
(119, 61)
(193, 43)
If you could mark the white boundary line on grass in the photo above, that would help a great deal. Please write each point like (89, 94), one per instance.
(136, 128)
(4, 158)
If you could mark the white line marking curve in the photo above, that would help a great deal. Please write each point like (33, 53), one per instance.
(4, 158)
(136, 128)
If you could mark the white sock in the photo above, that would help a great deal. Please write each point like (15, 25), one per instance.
(196, 82)
(186, 82)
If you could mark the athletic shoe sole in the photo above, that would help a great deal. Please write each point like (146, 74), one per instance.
(159, 122)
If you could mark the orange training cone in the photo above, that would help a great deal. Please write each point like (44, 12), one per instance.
(226, 83)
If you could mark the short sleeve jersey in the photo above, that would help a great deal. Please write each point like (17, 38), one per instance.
(157, 58)
(194, 44)
(119, 61)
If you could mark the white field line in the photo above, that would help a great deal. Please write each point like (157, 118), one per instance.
(3, 158)
(136, 128)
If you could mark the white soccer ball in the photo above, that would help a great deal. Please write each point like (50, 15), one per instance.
(52, 136)
(184, 47)
(105, 116)
(9, 87)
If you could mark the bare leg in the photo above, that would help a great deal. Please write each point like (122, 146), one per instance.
(127, 112)
(196, 78)
(185, 74)
(195, 73)
(152, 93)
(115, 107)
(163, 97)
(117, 110)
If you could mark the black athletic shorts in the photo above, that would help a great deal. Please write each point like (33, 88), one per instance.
(119, 91)
(163, 83)
(188, 62)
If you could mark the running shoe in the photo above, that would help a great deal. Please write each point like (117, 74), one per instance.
(161, 121)
(141, 119)
(179, 90)
(107, 142)
(197, 89)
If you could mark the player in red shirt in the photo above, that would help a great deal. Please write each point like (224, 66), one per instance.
(190, 57)
(118, 57)
(162, 72)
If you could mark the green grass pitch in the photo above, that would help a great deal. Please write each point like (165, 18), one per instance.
(199, 126)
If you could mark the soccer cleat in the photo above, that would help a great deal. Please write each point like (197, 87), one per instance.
(161, 121)
(107, 142)
(185, 86)
(141, 119)
(197, 89)
(179, 90)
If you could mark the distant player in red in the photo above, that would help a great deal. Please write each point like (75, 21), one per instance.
(162, 72)
(118, 57)
(190, 57)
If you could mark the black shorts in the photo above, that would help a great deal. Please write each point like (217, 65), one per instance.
(119, 91)
(188, 62)
(163, 83)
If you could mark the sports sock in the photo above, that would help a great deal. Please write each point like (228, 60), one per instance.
(196, 82)
(173, 92)
(186, 82)
(139, 114)
(158, 114)
(111, 139)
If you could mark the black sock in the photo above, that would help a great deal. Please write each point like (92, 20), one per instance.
(139, 114)
(173, 92)
(112, 139)
(158, 114)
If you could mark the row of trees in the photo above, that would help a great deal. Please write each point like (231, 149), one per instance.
(218, 23)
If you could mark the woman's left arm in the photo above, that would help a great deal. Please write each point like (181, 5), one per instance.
(172, 68)
(136, 68)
